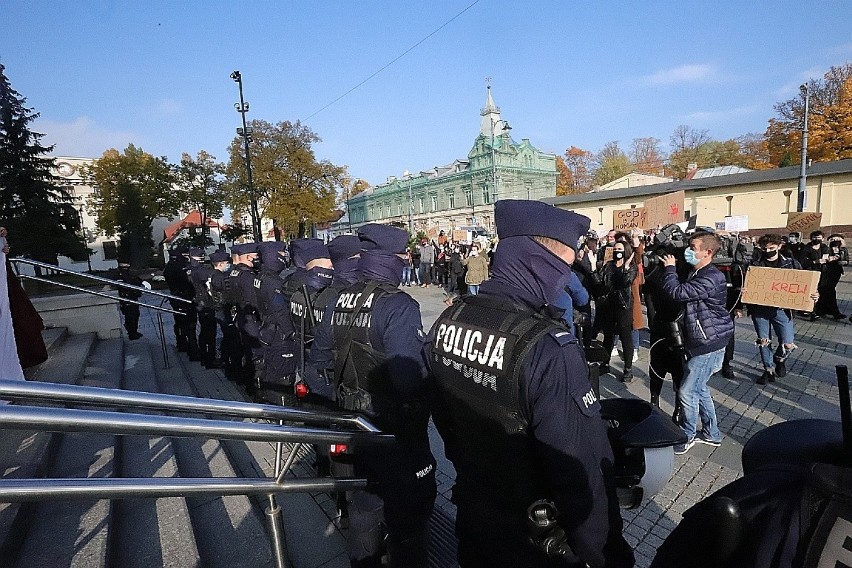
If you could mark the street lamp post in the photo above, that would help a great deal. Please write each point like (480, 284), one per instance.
(803, 170)
(242, 108)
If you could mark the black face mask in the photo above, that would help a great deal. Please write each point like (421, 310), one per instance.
(834, 244)
(816, 241)
(618, 255)
(256, 263)
(770, 254)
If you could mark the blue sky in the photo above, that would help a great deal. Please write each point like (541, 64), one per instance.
(156, 73)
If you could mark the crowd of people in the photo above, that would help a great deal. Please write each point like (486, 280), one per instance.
(503, 372)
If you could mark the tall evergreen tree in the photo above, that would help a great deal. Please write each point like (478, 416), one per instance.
(39, 214)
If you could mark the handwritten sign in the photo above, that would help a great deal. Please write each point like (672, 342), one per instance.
(608, 254)
(664, 210)
(803, 222)
(626, 219)
(736, 224)
(780, 287)
(459, 236)
(432, 233)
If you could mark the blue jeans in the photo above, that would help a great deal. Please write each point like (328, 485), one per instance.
(783, 326)
(406, 275)
(473, 289)
(695, 395)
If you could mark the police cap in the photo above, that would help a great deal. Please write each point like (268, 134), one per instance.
(248, 248)
(220, 256)
(343, 247)
(302, 251)
(520, 217)
(268, 248)
(383, 237)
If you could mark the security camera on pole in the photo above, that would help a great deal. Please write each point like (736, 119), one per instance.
(242, 108)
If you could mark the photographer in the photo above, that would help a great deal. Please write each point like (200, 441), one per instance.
(707, 326)
(615, 305)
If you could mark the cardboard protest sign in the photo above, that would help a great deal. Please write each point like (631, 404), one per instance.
(803, 222)
(664, 210)
(736, 224)
(608, 254)
(459, 236)
(432, 233)
(626, 219)
(780, 287)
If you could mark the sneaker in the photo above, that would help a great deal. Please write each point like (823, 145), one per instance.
(702, 439)
(635, 355)
(814, 317)
(134, 336)
(766, 377)
(627, 377)
(681, 449)
(615, 352)
(728, 373)
(780, 370)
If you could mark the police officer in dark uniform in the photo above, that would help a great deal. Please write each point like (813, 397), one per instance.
(240, 291)
(313, 275)
(379, 371)
(200, 274)
(275, 371)
(130, 311)
(517, 413)
(179, 284)
(230, 348)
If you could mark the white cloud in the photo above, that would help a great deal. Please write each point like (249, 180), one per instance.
(720, 115)
(694, 73)
(82, 137)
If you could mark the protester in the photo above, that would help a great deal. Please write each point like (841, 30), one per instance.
(615, 304)
(830, 275)
(477, 270)
(707, 327)
(427, 257)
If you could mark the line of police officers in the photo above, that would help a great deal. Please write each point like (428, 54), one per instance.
(503, 377)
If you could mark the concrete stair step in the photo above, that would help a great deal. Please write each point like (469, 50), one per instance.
(230, 531)
(149, 532)
(30, 454)
(80, 526)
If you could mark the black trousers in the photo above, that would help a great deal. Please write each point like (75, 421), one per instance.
(207, 336)
(131, 317)
(619, 321)
(664, 361)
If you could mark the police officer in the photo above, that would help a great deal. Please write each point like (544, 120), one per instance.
(240, 291)
(379, 371)
(517, 413)
(275, 371)
(129, 310)
(177, 279)
(200, 274)
(230, 347)
(313, 275)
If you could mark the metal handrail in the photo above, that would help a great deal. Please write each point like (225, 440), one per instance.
(96, 293)
(98, 396)
(101, 279)
(122, 423)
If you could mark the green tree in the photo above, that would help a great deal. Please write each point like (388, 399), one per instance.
(200, 178)
(688, 147)
(39, 214)
(612, 163)
(293, 188)
(132, 189)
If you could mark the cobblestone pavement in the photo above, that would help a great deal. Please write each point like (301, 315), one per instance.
(743, 408)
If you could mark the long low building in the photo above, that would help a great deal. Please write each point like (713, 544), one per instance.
(765, 197)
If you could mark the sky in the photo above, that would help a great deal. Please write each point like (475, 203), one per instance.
(391, 86)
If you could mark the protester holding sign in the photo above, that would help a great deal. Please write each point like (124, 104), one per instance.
(768, 318)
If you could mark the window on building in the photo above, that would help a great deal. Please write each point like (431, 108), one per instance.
(486, 197)
(420, 204)
(434, 198)
(387, 209)
(372, 210)
(468, 197)
(529, 188)
(451, 199)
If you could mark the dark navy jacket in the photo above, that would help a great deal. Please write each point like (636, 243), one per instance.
(570, 436)
(707, 324)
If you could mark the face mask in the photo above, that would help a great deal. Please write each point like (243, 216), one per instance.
(225, 267)
(817, 240)
(834, 244)
(689, 256)
(256, 263)
(772, 253)
(618, 255)
(793, 240)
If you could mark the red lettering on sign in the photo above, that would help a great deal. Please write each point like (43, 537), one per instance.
(674, 209)
(775, 286)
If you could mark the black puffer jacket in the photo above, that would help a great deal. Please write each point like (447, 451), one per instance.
(616, 283)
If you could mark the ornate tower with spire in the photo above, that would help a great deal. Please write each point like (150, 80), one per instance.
(491, 124)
